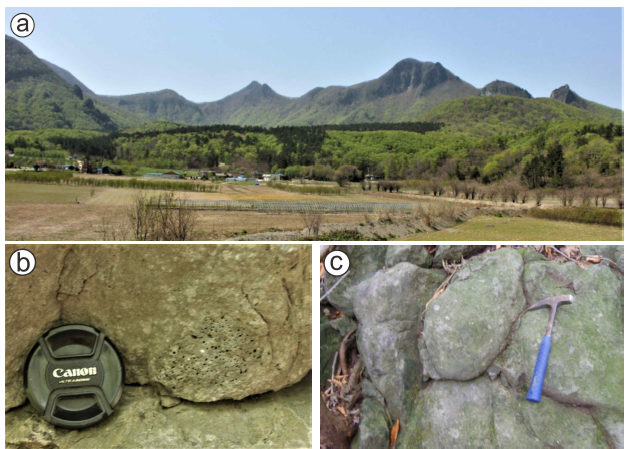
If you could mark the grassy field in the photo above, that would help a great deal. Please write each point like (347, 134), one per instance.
(51, 212)
(521, 229)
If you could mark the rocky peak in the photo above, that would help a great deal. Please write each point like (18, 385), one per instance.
(412, 74)
(498, 87)
(566, 95)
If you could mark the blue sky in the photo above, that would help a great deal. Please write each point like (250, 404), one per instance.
(206, 54)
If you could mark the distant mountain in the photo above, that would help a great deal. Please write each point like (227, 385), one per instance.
(39, 94)
(498, 87)
(566, 95)
(489, 116)
(407, 90)
(36, 97)
(67, 76)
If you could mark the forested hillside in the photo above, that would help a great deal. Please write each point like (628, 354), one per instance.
(36, 97)
(495, 115)
(414, 151)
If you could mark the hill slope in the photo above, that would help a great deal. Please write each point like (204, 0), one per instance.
(487, 116)
(67, 76)
(36, 97)
(498, 87)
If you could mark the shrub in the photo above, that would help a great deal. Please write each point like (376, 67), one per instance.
(590, 215)
(566, 196)
(63, 177)
(307, 190)
(539, 195)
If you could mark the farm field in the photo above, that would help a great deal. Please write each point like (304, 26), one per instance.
(521, 229)
(51, 212)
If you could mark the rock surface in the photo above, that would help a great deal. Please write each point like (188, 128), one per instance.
(31, 308)
(416, 254)
(464, 382)
(201, 322)
(481, 413)
(388, 307)
(467, 325)
(278, 419)
(452, 414)
(365, 261)
(374, 431)
(455, 253)
(586, 364)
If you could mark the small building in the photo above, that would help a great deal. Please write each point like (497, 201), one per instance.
(110, 170)
(272, 177)
(221, 176)
(167, 175)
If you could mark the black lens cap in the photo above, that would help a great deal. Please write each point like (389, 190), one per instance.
(74, 376)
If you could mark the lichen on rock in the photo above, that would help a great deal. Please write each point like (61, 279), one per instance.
(467, 325)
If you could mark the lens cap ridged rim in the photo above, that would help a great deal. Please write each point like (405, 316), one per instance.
(74, 376)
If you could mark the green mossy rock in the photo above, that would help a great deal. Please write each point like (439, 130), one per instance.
(530, 255)
(618, 259)
(467, 325)
(521, 424)
(388, 308)
(365, 260)
(374, 432)
(613, 424)
(607, 251)
(415, 254)
(451, 414)
(586, 364)
(482, 413)
(455, 253)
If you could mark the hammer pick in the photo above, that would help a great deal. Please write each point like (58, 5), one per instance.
(536, 386)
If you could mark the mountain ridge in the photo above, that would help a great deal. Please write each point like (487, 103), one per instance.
(408, 90)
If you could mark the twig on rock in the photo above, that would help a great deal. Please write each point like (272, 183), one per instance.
(333, 368)
(334, 285)
(343, 363)
(441, 289)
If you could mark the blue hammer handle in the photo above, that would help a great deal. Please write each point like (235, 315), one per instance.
(536, 386)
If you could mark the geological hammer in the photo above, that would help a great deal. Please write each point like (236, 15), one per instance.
(536, 386)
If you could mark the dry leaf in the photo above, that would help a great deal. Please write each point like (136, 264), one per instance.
(342, 411)
(592, 260)
(394, 433)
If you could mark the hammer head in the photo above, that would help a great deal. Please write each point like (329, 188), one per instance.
(552, 302)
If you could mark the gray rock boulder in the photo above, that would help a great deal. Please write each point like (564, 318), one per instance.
(618, 259)
(481, 413)
(455, 253)
(613, 425)
(201, 322)
(415, 254)
(451, 414)
(518, 423)
(365, 260)
(388, 307)
(608, 251)
(586, 364)
(466, 326)
(374, 432)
